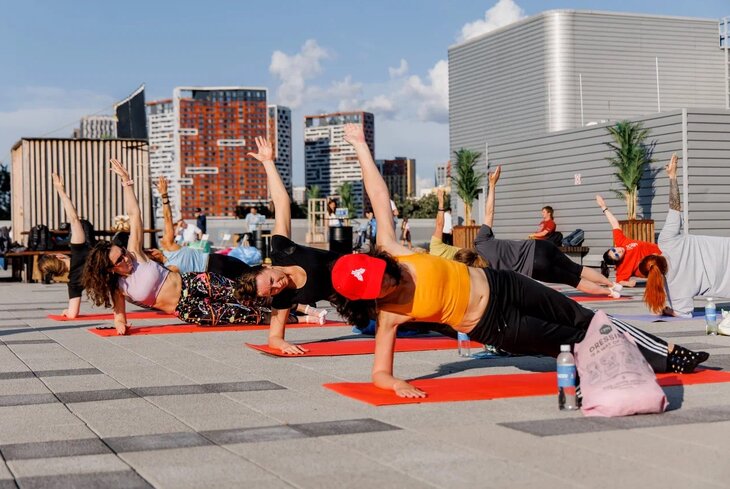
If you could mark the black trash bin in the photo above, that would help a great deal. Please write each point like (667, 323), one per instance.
(341, 239)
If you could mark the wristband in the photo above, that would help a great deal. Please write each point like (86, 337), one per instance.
(165, 195)
(128, 183)
(604, 210)
(165, 202)
(442, 210)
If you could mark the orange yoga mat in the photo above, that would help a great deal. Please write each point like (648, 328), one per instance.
(189, 328)
(110, 317)
(494, 387)
(364, 347)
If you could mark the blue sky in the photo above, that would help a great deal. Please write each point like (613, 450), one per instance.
(62, 60)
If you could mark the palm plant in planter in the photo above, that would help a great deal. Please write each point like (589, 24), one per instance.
(467, 179)
(631, 157)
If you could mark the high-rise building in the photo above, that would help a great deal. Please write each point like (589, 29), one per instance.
(212, 131)
(280, 136)
(161, 125)
(98, 127)
(443, 175)
(399, 175)
(329, 160)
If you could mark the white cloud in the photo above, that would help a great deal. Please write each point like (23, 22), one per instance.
(380, 105)
(504, 12)
(400, 71)
(432, 96)
(295, 70)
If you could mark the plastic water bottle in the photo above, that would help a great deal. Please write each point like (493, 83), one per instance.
(710, 317)
(463, 343)
(566, 379)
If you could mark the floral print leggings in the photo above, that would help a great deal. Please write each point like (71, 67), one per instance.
(207, 299)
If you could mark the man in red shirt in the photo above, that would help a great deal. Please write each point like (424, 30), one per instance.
(547, 225)
(626, 254)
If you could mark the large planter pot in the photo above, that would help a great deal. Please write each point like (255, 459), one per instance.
(638, 229)
(464, 236)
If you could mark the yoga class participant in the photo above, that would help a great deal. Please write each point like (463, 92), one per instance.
(625, 254)
(113, 274)
(689, 265)
(298, 275)
(538, 258)
(496, 307)
(60, 264)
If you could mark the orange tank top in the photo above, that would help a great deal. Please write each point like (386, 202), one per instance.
(442, 290)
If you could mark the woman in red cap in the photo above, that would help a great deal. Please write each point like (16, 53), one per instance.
(500, 308)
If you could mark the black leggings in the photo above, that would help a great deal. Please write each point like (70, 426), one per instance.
(526, 317)
(552, 265)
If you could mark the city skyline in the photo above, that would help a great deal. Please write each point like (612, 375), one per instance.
(60, 72)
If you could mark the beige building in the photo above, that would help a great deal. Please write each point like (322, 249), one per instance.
(83, 164)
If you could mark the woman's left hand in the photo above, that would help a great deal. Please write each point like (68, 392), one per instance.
(119, 169)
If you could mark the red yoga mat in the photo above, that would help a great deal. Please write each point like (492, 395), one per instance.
(364, 347)
(189, 328)
(494, 387)
(110, 317)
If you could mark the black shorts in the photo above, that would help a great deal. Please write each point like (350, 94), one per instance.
(553, 266)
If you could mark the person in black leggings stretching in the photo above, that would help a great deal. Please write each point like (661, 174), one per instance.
(538, 259)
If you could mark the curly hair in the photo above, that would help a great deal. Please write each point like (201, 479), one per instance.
(470, 258)
(654, 267)
(98, 279)
(51, 265)
(360, 312)
(246, 284)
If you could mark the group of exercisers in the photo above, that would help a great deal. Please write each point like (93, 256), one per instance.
(495, 301)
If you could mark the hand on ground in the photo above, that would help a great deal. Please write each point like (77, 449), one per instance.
(290, 349)
(121, 328)
(404, 389)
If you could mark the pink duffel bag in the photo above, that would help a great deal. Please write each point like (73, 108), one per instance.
(615, 379)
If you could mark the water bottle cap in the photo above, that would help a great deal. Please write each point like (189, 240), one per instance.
(462, 336)
(564, 347)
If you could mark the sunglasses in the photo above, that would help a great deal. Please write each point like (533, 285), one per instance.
(121, 257)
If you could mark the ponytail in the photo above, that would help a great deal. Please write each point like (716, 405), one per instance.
(654, 267)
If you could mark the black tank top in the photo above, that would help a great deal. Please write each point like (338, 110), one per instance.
(316, 264)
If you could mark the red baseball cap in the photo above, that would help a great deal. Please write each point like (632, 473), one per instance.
(358, 276)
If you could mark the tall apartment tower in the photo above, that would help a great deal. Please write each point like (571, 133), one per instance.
(443, 175)
(212, 130)
(161, 125)
(329, 160)
(280, 135)
(399, 175)
(98, 127)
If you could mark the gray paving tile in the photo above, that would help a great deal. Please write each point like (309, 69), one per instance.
(108, 480)
(700, 346)
(569, 426)
(172, 390)
(252, 435)
(156, 442)
(49, 449)
(343, 427)
(8, 484)
(49, 373)
(28, 342)
(680, 334)
(97, 395)
(25, 399)
(721, 361)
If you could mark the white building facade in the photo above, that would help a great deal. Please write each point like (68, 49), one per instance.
(280, 135)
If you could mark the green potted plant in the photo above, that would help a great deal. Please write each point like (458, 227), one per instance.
(467, 183)
(631, 157)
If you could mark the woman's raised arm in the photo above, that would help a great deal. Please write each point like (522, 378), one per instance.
(282, 204)
(377, 191)
(132, 208)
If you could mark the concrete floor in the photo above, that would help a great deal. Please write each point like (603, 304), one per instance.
(202, 410)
